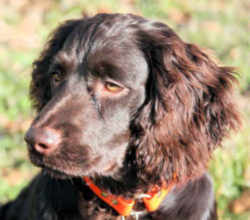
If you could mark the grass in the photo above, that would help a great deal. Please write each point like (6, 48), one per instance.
(222, 26)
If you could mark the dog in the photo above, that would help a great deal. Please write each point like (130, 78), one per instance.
(128, 115)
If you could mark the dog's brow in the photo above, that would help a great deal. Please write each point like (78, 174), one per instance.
(91, 41)
(61, 57)
(64, 60)
(106, 69)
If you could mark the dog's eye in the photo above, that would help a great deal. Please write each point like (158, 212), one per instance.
(112, 87)
(57, 77)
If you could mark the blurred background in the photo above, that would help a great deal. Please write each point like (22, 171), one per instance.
(222, 26)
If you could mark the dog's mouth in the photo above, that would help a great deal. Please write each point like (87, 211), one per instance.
(57, 169)
(37, 160)
(54, 172)
(67, 169)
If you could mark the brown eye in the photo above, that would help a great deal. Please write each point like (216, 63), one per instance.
(112, 87)
(57, 77)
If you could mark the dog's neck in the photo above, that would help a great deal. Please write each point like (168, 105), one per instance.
(125, 207)
(125, 193)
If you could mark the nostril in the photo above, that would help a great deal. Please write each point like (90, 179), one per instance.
(42, 140)
(42, 148)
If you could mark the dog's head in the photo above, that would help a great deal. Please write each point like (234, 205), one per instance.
(115, 91)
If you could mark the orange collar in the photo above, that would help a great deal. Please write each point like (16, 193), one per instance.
(125, 206)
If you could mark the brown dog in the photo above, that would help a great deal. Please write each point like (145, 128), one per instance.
(124, 103)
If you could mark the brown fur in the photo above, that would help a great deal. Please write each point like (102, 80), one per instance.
(175, 108)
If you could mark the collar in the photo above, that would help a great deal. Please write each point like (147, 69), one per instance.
(123, 206)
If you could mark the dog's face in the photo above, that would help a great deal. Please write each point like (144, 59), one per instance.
(116, 86)
(95, 90)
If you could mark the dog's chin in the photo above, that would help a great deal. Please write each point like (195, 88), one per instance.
(56, 173)
(87, 170)
(64, 174)
(52, 172)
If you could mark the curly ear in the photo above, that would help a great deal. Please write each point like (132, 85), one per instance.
(188, 111)
(40, 88)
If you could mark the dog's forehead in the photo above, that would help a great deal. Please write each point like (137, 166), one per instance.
(115, 52)
(118, 62)
(108, 52)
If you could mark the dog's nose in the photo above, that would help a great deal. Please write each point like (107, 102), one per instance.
(42, 140)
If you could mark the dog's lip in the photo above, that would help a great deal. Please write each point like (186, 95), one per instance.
(62, 173)
(53, 171)
(37, 161)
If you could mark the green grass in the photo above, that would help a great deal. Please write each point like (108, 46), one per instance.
(222, 26)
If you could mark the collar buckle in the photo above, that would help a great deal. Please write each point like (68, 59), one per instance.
(135, 214)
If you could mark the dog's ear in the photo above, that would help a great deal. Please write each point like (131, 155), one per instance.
(40, 88)
(189, 107)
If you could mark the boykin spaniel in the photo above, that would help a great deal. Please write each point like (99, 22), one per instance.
(128, 115)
